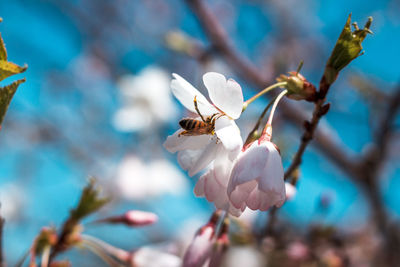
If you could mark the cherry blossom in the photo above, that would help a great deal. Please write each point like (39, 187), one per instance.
(257, 178)
(214, 183)
(140, 181)
(196, 152)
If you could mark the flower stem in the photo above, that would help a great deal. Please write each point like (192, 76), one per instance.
(267, 132)
(266, 90)
(278, 98)
(254, 132)
(118, 253)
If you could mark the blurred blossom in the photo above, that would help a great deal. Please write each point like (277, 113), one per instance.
(244, 256)
(89, 70)
(297, 251)
(151, 257)
(291, 191)
(11, 201)
(146, 101)
(137, 180)
(132, 218)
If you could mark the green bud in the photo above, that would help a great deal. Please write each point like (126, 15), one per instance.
(347, 48)
(298, 87)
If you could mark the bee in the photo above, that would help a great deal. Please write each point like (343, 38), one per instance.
(193, 127)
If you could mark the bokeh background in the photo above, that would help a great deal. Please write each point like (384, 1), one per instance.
(97, 103)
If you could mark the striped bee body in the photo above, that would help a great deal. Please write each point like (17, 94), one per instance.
(196, 127)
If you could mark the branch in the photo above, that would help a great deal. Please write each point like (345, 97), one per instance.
(373, 160)
(2, 262)
(385, 128)
(345, 160)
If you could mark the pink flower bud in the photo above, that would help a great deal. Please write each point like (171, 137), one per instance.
(132, 218)
(199, 251)
(221, 245)
(257, 178)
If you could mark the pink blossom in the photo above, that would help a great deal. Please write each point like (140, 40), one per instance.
(257, 178)
(214, 183)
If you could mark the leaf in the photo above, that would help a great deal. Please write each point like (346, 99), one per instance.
(90, 202)
(347, 48)
(3, 51)
(8, 69)
(6, 94)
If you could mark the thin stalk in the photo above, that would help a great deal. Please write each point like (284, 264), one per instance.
(267, 132)
(250, 136)
(266, 90)
(45, 256)
(118, 253)
(278, 98)
(99, 252)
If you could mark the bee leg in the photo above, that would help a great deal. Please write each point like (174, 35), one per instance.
(182, 133)
(197, 108)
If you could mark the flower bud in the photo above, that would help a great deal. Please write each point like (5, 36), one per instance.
(347, 48)
(221, 245)
(299, 88)
(200, 249)
(132, 218)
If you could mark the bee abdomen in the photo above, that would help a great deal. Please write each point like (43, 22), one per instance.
(189, 124)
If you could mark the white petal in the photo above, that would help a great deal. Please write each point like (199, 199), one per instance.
(176, 143)
(150, 257)
(241, 193)
(222, 166)
(226, 95)
(272, 179)
(186, 93)
(215, 192)
(187, 158)
(229, 134)
(249, 166)
(290, 191)
(205, 158)
(199, 188)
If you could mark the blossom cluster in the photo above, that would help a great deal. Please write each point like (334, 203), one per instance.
(236, 176)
